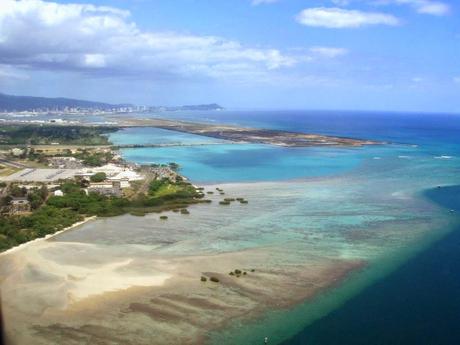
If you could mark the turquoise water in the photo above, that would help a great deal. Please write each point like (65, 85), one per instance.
(219, 161)
(362, 203)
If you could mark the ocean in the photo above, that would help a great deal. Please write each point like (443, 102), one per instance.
(380, 204)
(409, 296)
(419, 303)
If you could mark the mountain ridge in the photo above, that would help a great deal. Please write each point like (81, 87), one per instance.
(29, 103)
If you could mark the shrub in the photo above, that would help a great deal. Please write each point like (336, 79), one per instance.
(224, 202)
(237, 271)
(163, 217)
(210, 192)
(184, 211)
(203, 278)
(231, 273)
(243, 202)
(214, 279)
(98, 177)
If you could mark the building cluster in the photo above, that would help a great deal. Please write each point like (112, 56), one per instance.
(65, 163)
(75, 110)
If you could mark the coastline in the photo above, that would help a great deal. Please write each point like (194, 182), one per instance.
(47, 237)
(161, 308)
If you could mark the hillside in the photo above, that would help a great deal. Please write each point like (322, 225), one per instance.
(23, 103)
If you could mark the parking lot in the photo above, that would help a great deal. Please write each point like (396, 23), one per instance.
(40, 175)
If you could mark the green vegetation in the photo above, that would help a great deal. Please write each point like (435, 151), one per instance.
(98, 177)
(47, 220)
(214, 279)
(238, 273)
(45, 135)
(93, 158)
(54, 213)
(224, 203)
(174, 166)
(203, 278)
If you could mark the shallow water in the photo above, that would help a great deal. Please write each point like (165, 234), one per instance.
(353, 204)
(306, 205)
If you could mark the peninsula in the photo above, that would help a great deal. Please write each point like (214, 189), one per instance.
(245, 134)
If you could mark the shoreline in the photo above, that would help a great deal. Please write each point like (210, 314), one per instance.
(47, 237)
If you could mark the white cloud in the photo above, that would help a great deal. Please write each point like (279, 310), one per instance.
(333, 17)
(435, 8)
(431, 7)
(103, 40)
(328, 52)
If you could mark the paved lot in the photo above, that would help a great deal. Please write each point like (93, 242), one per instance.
(40, 175)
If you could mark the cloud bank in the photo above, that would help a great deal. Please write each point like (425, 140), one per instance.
(101, 40)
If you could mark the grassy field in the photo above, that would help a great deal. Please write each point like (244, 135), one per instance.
(6, 170)
(167, 189)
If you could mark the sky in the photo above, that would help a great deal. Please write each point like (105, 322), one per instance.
(399, 55)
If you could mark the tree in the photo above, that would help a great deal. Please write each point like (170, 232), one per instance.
(98, 177)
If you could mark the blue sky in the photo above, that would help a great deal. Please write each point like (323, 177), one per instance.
(401, 55)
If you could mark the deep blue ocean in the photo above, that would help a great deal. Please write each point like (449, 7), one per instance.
(419, 303)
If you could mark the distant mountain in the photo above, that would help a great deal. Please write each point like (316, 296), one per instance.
(10, 103)
(24, 103)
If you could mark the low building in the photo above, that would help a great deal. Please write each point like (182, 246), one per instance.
(58, 193)
(106, 188)
(19, 205)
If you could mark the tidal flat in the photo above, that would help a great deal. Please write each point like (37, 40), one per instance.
(136, 280)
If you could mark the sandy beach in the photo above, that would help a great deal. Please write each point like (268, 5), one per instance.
(47, 237)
